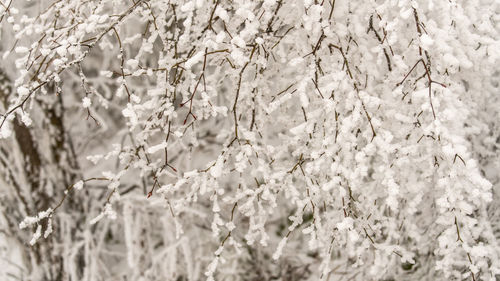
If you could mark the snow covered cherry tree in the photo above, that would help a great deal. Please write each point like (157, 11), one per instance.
(249, 140)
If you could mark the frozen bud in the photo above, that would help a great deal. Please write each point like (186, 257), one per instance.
(86, 102)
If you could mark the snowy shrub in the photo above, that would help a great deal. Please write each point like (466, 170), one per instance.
(250, 140)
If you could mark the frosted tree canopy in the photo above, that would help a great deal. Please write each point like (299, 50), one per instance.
(249, 140)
